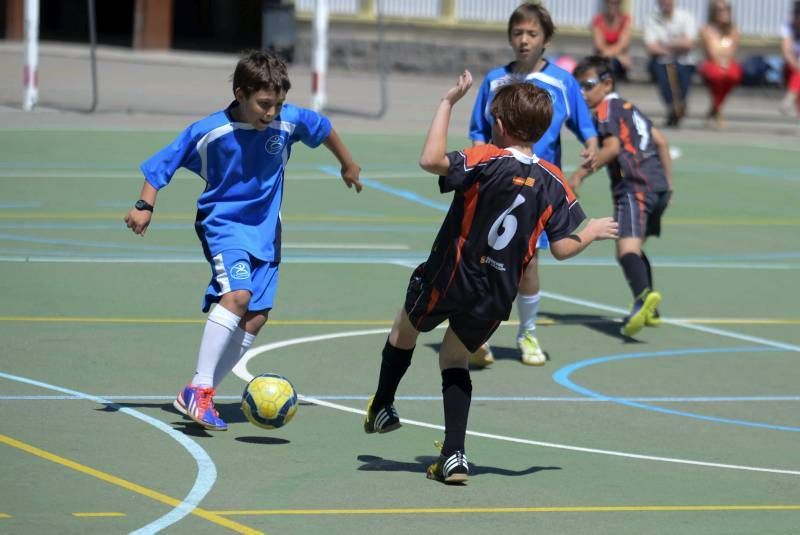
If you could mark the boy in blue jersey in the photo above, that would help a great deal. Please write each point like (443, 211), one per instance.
(530, 30)
(241, 153)
(504, 197)
(637, 157)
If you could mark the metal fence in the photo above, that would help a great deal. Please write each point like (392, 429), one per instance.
(756, 18)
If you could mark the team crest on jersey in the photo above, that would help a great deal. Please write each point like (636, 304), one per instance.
(274, 144)
(240, 271)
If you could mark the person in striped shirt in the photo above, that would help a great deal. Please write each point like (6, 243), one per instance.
(241, 153)
(636, 155)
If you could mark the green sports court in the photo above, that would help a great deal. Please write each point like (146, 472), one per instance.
(690, 428)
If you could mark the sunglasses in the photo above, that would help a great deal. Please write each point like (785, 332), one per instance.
(591, 83)
(588, 85)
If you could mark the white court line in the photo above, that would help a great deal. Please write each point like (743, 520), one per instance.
(241, 371)
(206, 470)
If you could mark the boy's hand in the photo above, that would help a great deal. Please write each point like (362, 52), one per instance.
(138, 220)
(460, 89)
(350, 175)
(604, 228)
(589, 156)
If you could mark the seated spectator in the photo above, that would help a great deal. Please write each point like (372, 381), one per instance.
(669, 36)
(720, 71)
(611, 32)
(790, 47)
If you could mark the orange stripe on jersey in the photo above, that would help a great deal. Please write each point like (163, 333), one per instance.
(625, 136)
(482, 154)
(602, 110)
(543, 219)
(470, 205)
(556, 172)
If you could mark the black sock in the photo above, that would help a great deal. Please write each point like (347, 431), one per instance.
(635, 273)
(394, 364)
(649, 271)
(456, 394)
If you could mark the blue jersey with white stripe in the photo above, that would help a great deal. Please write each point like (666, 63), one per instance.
(568, 107)
(243, 169)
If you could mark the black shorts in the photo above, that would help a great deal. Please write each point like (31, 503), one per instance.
(426, 311)
(639, 214)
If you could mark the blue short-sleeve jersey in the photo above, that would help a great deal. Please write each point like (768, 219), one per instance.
(568, 108)
(243, 169)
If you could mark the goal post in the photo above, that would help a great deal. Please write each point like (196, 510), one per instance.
(30, 72)
(319, 61)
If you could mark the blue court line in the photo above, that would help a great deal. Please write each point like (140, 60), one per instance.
(206, 470)
(562, 377)
(403, 194)
(17, 205)
(768, 172)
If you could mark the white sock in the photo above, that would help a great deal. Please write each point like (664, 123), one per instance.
(220, 326)
(527, 309)
(238, 346)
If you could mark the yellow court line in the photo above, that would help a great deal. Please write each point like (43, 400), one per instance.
(543, 321)
(4, 515)
(97, 515)
(133, 487)
(461, 510)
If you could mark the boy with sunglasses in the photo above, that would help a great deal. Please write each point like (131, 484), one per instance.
(637, 158)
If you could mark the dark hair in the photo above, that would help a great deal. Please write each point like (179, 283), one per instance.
(258, 69)
(600, 65)
(529, 11)
(524, 109)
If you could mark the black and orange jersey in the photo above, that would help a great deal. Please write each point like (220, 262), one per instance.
(503, 201)
(638, 167)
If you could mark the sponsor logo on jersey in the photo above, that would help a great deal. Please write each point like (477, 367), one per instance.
(240, 271)
(499, 266)
(274, 144)
(519, 181)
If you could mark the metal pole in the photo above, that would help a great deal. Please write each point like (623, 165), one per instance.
(92, 53)
(384, 75)
(30, 75)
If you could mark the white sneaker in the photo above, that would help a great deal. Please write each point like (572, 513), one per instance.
(530, 352)
(482, 357)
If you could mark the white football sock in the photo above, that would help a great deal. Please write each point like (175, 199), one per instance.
(238, 346)
(527, 309)
(220, 326)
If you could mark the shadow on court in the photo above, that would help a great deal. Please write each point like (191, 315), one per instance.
(603, 324)
(372, 463)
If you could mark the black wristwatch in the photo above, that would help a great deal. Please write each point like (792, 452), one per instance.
(143, 205)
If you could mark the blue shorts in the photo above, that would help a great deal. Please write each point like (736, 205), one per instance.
(237, 270)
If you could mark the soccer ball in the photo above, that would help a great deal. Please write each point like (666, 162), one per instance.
(269, 401)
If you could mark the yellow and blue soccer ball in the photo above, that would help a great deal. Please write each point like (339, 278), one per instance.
(269, 401)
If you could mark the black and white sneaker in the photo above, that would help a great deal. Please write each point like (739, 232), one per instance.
(452, 470)
(382, 421)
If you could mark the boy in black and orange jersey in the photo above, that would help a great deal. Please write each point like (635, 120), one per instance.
(639, 166)
(505, 197)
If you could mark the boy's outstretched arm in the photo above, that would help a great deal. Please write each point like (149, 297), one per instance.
(433, 158)
(609, 150)
(139, 220)
(604, 228)
(350, 169)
